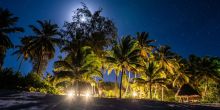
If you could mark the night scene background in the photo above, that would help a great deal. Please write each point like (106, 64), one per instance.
(188, 26)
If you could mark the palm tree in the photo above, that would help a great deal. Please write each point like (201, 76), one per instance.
(125, 55)
(144, 44)
(22, 52)
(78, 67)
(181, 76)
(166, 59)
(203, 69)
(152, 74)
(113, 68)
(7, 26)
(42, 44)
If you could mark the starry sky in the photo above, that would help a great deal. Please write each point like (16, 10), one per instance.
(188, 26)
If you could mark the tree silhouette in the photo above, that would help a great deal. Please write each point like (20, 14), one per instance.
(7, 26)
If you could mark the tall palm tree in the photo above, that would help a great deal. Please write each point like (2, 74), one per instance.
(144, 44)
(152, 74)
(81, 66)
(42, 44)
(7, 26)
(125, 55)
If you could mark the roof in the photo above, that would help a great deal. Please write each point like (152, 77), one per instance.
(187, 90)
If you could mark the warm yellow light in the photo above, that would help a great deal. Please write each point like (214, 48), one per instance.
(87, 94)
(70, 93)
(134, 94)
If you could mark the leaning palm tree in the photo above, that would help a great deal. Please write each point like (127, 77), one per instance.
(79, 67)
(22, 53)
(7, 26)
(181, 76)
(42, 44)
(125, 55)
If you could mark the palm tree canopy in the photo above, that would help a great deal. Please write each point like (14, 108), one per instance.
(83, 64)
(152, 73)
(7, 25)
(203, 67)
(125, 54)
(44, 39)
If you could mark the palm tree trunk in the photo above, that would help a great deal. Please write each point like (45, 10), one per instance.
(39, 63)
(2, 56)
(150, 85)
(155, 92)
(206, 86)
(76, 90)
(19, 67)
(78, 94)
(162, 93)
(116, 84)
(122, 73)
(129, 75)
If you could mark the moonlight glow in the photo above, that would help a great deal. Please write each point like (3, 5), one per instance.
(83, 19)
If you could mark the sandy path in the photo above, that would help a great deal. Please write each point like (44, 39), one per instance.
(37, 101)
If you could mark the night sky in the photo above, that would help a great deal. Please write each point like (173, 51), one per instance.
(188, 26)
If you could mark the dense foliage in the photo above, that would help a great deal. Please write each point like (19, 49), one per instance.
(31, 82)
(92, 49)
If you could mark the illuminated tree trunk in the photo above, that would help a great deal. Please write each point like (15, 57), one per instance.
(150, 86)
(206, 86)
(161, 93)
(116, 84)
(129, 75)
(155, 92)
(77, 88)
(120, 91)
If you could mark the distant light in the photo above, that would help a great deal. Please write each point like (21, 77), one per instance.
(134, 94)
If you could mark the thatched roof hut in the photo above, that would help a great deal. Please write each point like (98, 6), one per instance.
(187, 93)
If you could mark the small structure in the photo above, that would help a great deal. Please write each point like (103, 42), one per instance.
(187, 93)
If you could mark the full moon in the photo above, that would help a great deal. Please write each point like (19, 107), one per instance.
(83, 19)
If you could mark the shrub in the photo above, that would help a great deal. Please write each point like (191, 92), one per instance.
(10, 80)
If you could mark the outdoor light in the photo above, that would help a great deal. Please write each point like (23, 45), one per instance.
(134, 94)
(70, 93)
(87, 94)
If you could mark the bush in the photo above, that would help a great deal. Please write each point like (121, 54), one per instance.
(32, 82)
(35, 83)
(10, 80)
